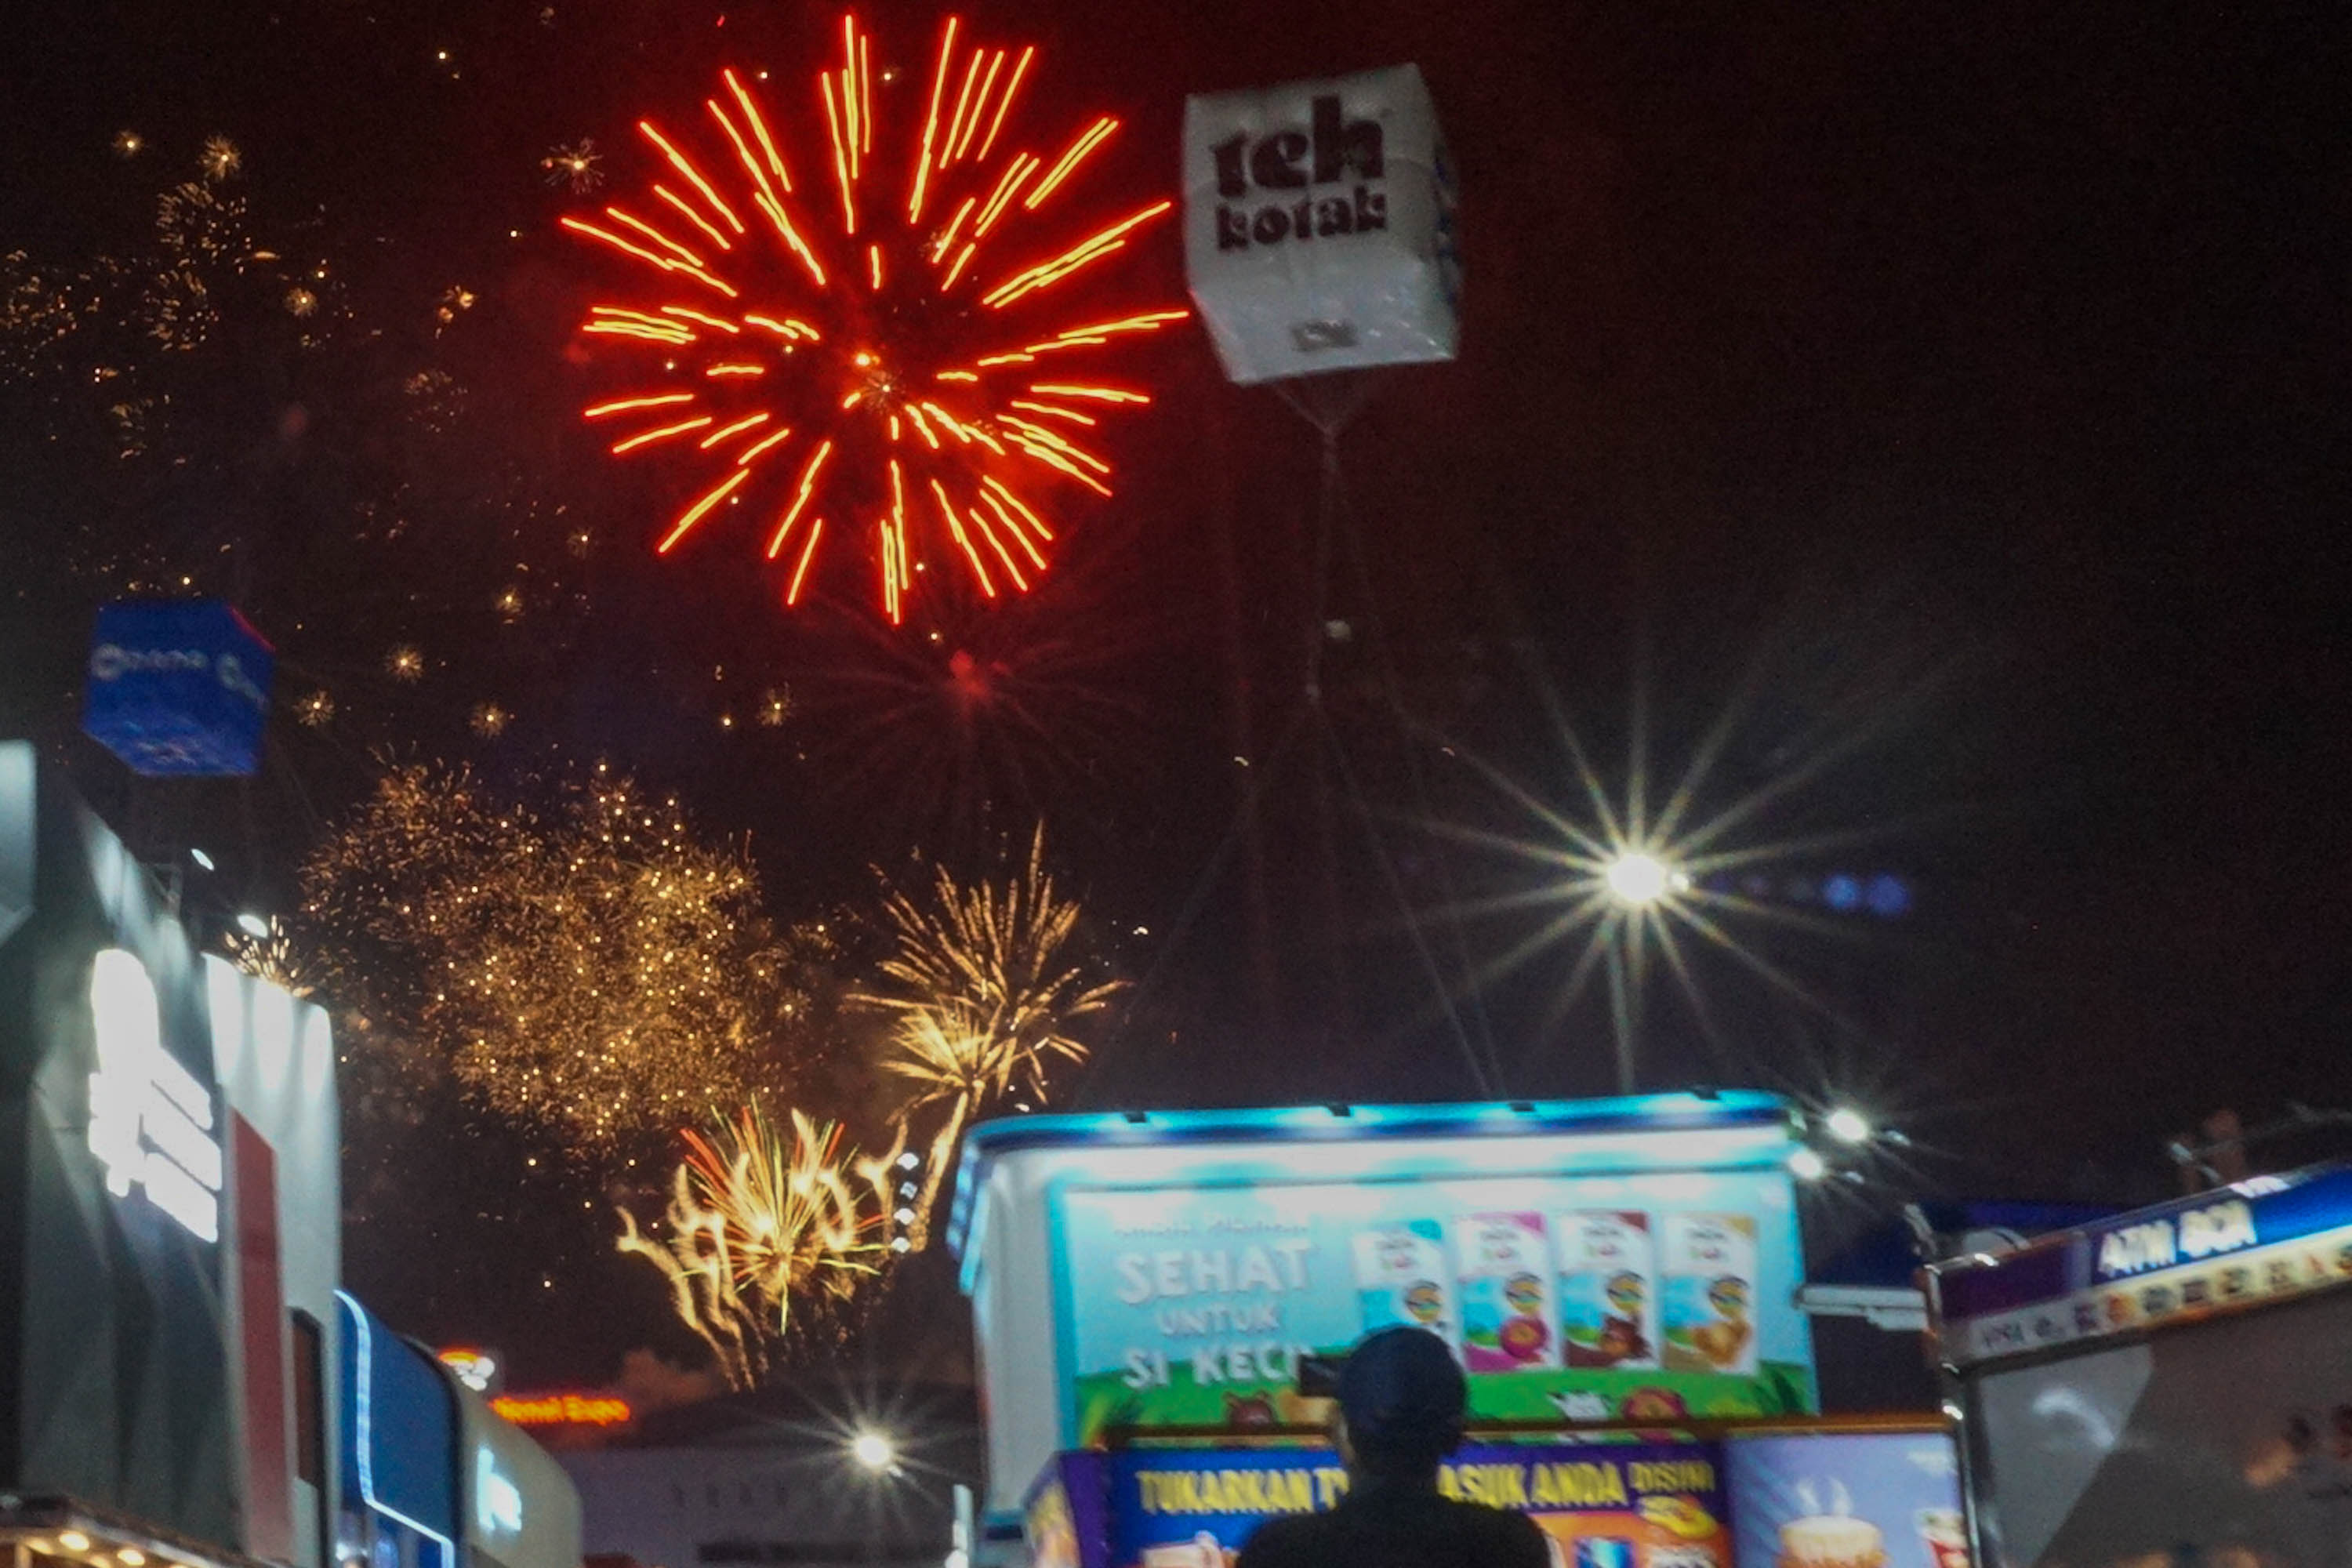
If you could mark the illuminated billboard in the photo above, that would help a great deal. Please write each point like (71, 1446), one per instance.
(1599, 1261)
(2168, 1383)
(1810, 1494)
(117, 1278)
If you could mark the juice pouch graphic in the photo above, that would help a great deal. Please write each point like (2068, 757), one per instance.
(1706, 1297)
(1401, 1279)
(1608, 1287)
(1504, 1268)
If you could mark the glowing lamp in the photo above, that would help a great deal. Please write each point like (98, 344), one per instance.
(874, 1451)
(1806, 1166)
(1848, 1125)
(1637, 879)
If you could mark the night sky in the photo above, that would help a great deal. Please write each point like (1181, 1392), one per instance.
(1946, 403)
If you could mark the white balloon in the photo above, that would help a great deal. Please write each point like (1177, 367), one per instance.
(1319, 225)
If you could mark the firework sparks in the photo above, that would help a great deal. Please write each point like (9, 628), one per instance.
(760, 1216)
(268, 957)
(128, 144)
(314, 709)
(220, 158)
(600, 972)
(489, 720)
(985, 985)
(574, 164)
(910, 413)
(405, 664)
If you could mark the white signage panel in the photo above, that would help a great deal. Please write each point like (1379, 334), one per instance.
(1319, 225)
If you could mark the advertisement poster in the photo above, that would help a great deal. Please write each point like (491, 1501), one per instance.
(1847, 1499)
(1651, 1505)
(2224, 1441)
(1640, 1296)
(1061, 1517)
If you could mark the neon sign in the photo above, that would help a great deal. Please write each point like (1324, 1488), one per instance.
(562, 1409)
(151, 1121)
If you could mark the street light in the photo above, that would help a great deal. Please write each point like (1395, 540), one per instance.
(1636, 881)
(1807, 1165)
(874, 1451)
(1848, 1125)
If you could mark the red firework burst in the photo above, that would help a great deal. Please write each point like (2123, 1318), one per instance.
(894, 376)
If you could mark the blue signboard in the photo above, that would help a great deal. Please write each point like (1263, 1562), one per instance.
(178, 687)
(2260, 1240)
(1624, 1502)
(400, 1432)
(1888, 1497)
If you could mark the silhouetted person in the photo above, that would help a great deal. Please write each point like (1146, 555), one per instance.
(1401, 1406)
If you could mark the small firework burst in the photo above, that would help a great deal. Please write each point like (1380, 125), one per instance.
(454, 301)
(314, 709)
(300, 302)
(405, 664)
(508, 605)
(435, 398)
(269, 957)
(128, 144)
(198, 226)
(489, 720)
(574, 164)
(986, 984)
(758, 1216)
(775, 707)
(220, 158)
(579, 544)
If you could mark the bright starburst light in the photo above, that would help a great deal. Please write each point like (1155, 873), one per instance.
(1710, 871)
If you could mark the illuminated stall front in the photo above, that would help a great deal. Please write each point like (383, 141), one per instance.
(1595, 1260)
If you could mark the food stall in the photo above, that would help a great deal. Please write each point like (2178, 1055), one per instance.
(1618, 1277)
(2166, 1387)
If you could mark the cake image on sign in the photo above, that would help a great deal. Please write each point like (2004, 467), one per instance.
(1401, 1279)
(1944, 1534)
(1707, 1293)
(1203, 1551)
(1832, 1540)
(1608, 1287)
(1505, 1273)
